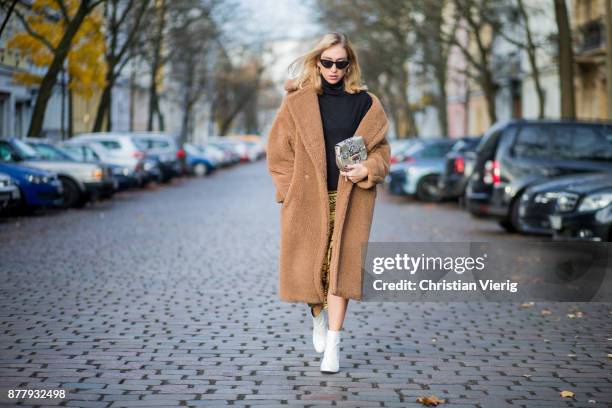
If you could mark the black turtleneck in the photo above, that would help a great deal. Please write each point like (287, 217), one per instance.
(341, 113)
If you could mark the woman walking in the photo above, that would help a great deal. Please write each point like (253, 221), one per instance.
(326, 213)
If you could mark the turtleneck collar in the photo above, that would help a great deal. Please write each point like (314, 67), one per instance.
(332, 89)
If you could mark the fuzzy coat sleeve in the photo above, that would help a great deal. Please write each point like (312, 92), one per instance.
(378, 163)
(280, 151)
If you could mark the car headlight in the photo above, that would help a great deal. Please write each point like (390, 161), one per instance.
(566, 201)
(36, 179)
(545, 198)
(596, 201)
(6, 182)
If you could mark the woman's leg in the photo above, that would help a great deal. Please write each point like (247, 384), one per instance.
(336, 310)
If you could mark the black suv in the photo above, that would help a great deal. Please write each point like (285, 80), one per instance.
(515, 154)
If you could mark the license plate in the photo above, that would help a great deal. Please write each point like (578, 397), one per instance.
(555, 221)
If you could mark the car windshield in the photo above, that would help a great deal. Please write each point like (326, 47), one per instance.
(25, 150)
(49, 152)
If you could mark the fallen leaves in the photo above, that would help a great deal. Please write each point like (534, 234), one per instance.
(566, 394)
(546, 312)
(430, 400)
(527, 305)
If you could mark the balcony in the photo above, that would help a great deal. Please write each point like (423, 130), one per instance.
(591, 44)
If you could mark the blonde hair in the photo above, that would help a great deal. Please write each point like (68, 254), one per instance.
(306, 65)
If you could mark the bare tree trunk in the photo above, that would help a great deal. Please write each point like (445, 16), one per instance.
(155, 67)
(104, 104)
(441, 101)
(566, 62)
(608, 6)
(50, 79)
(132, 98)
(70, 114)
(531, 54)
(109, 110)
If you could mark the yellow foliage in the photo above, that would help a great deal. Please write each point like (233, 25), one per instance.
(86, 65)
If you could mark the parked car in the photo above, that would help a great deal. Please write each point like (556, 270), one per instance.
(9, 192)
(80, 181)
(571, 207)
(458, 168)
(400, 147)
(164, 149)
(231, 156)
(37, 188)
(85, 153)
(197, 161)
(119, 148)
(102, 189)
(518, 153)
(249, 147)
(417, 174)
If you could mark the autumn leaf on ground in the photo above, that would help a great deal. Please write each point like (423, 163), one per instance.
(566, 393)
(430, 400)
(527, 305)
(545, 312)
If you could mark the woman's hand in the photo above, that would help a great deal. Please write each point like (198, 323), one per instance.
(355, 172)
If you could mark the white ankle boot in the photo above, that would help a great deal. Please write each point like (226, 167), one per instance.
(319, 331)
(331, 359)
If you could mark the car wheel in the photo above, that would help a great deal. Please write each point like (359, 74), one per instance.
(200, 169)
(427, 190)
(72, 195)
(512, 223)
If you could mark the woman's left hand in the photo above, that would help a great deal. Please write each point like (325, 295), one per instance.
(355, 172)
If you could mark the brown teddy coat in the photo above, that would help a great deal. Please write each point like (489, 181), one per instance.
(296, 162)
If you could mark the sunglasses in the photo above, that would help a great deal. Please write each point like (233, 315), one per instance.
(339, 64)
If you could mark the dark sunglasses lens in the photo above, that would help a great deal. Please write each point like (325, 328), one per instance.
(342, 64)
(339, 64)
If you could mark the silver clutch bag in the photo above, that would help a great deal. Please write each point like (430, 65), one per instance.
(350, 151)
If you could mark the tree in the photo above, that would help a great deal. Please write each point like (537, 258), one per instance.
(122, 24)
(514, 13)
(434, 51)
(566, 61)
(60, 26)
(482, 28)
(191, 70)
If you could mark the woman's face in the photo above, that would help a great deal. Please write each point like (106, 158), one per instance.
(334, 53)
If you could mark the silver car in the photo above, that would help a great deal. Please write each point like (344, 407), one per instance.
(120, 149)
(81, 182)
(417, 174)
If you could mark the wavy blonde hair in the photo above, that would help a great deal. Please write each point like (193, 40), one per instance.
(306, 65)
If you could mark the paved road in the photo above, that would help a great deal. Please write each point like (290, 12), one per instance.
(168, 298)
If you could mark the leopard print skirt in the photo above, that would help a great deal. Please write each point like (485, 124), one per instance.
(331, 197)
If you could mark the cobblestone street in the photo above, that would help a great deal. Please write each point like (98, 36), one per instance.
(168, 297)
